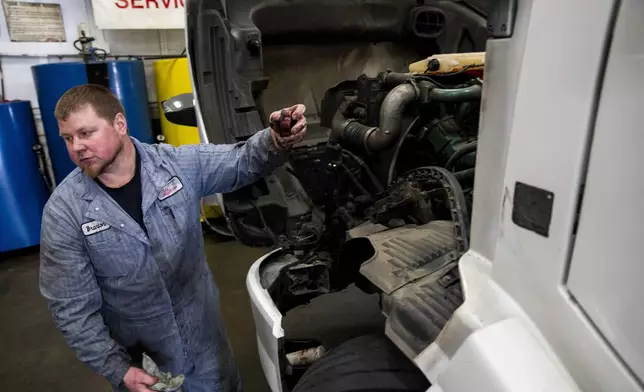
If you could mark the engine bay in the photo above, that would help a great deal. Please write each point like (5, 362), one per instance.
(381, 202)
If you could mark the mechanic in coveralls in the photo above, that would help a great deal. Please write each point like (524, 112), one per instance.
(122, 253)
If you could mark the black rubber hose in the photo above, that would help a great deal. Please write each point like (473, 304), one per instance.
(354, 133)
(458, 154)
(355, 181)
(267, 228)
(393, 79)
(363, 165)
(465, 175)
(468, 93)
(394, 159)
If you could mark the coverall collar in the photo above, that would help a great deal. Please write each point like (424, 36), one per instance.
(87, 189)
(155, 175)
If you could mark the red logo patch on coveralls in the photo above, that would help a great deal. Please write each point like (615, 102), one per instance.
(173, 186)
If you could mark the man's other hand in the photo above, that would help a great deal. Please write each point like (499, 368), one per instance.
(137, 380)
(282, 138)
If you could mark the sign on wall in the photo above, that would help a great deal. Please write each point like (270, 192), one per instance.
(139, 14)
(34, 22)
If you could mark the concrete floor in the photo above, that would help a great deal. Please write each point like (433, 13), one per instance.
(36, 358)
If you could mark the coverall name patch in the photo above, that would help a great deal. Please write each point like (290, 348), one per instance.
(173, 186)
(94, 227)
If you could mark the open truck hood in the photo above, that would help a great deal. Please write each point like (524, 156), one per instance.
(303, 47)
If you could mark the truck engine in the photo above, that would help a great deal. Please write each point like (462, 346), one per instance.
(382, 202)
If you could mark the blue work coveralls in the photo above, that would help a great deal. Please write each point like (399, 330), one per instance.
(116, 291)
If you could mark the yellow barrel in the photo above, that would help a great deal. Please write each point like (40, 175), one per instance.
(172, 77)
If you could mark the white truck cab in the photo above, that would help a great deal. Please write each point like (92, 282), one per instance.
(544, 295)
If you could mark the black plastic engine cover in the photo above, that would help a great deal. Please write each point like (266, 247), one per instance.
(416, 269)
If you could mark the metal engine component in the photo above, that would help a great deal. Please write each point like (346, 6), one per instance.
(402, 192)
(310, 276)
(409, 88)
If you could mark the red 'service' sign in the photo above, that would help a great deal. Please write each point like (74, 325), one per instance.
(139, 14)
(142, 4)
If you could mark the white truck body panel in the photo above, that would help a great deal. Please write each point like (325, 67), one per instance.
(555, 312)
(606, 269)
(268, 324)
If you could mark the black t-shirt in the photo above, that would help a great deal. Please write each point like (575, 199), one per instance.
(130, 195)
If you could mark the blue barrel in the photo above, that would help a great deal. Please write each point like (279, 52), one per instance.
(127, 82)
(125, 78)
(52, 80)
(23, 192)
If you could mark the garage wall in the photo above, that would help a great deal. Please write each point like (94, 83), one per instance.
(16, 58)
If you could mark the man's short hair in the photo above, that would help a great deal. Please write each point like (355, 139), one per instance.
(100, 98)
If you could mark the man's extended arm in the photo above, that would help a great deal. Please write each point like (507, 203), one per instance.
(222, 168)
(227, 167)
(67, 281)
